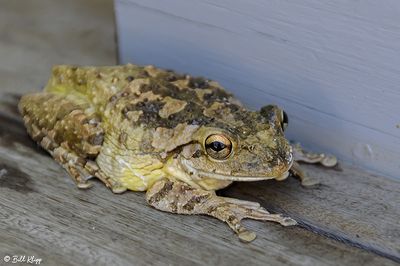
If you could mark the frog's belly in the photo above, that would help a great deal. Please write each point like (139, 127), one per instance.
(137, 173)
(140, 180)
(213, 184)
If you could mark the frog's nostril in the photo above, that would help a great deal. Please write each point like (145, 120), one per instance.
(285, 160)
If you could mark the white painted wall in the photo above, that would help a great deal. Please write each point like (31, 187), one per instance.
(334, 66)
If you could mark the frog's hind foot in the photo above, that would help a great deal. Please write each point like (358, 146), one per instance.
(79, 174)
(178, 197)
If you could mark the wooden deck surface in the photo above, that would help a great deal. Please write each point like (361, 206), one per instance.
(352, 218)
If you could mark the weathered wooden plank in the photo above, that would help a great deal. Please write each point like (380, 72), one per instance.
(333, 66)
(351, 206)
(44, 214)
(35, 35)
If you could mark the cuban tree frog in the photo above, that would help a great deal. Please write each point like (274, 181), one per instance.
(177, 137)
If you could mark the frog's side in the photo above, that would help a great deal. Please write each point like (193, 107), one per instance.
(177, 137)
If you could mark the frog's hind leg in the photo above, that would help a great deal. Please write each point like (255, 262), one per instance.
(69, 131)
(178, 197)
(301, 155)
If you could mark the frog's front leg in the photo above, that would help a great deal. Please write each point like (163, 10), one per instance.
(301, 155)
(82, 169)
(178, 197)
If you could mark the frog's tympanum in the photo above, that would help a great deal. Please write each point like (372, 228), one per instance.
(177, 137)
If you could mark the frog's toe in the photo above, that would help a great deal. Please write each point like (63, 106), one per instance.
(79, 175)
(84, 185)
(309, 182)
(329, 161)
(264, 215)
(287, 221)
(118, 189)
(247, 236)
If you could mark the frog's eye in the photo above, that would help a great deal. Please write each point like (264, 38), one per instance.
(270, 110)
(283, 119)
(218, 146)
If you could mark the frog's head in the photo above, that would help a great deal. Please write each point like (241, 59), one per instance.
(242, 146)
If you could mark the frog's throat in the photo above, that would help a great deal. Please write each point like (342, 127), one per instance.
(200, 173)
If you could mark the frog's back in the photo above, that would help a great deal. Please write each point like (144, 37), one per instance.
(94, 85)
(97, 85)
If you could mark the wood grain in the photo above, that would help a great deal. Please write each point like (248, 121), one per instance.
(35, 35)
(333, 66)
(44, 214)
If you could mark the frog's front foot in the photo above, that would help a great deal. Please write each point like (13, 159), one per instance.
(178, 197)
(301, 155)
(305, 179)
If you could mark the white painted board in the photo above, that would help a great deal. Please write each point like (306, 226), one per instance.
(334, 66)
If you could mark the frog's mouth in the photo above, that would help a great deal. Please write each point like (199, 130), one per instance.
(202, 174)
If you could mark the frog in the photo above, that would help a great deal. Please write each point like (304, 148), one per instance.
(176, 138)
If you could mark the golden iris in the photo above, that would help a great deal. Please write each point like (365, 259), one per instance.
(218, 146)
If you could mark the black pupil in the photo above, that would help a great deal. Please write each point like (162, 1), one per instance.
(285, 118)
(216, 146)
